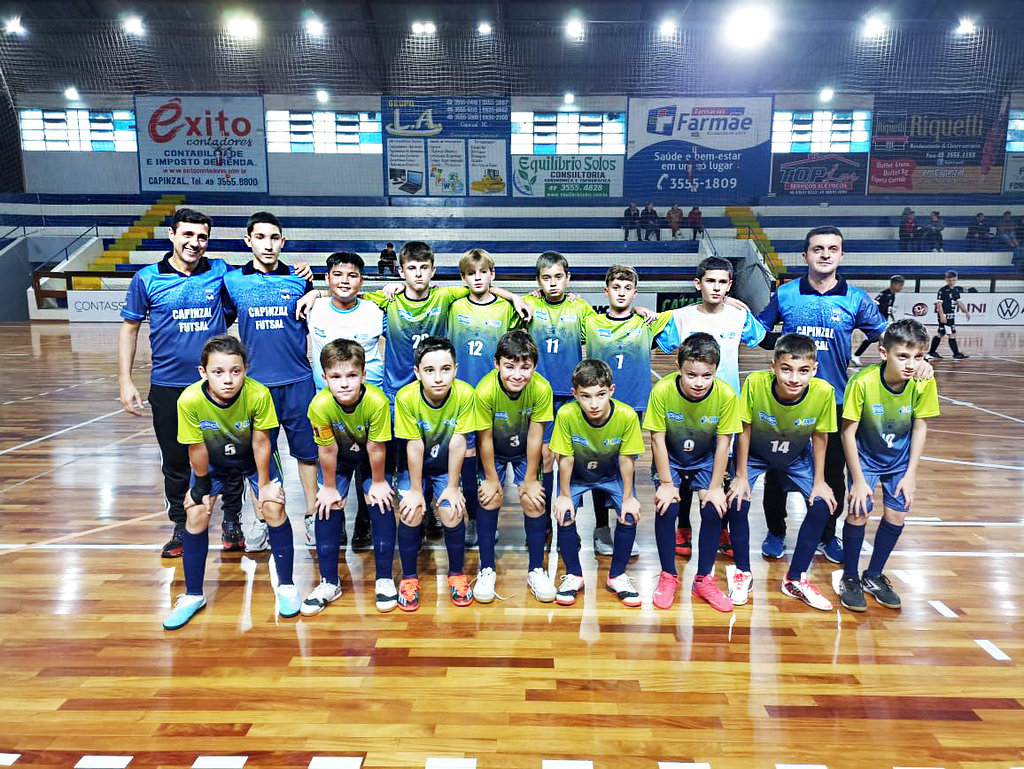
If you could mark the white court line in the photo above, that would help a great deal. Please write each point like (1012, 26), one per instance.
(677, 765)
(60, 432)
(958, 554)
(7, 759)
(972, 464)
(954, 524)
(968, 404)
(920, 518)
(219, 762)
(942, 609)
(997, 357)
(103, 762)
(905, 577)
(335, 762)
(451, 763)
(994, 651)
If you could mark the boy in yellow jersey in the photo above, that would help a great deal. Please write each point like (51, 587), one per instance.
(885, 415)
(692, 416)
(513, 408)
(351, 425)
(225, 419)
(434, 415)
(787, 414)
(597, 440)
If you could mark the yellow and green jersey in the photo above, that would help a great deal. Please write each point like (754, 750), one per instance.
(595, 449)
(351, 427)
(558, 331)
(226, 430)
(625, 345)
(780, 433)
(887, 417)
(417, 419)
(510, 416)
(692, 427)
(475, 329)
(407, 323)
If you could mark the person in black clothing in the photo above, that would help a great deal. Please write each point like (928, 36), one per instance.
(884, 301)
(631, 221)
(388, 261)
(978, 234)
(649, 221)
(946, 304)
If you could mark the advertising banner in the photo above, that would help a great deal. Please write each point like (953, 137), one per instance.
(567, 176)
(827, 173)
(938, 143)
(442, 128)
(95, 306)
(1013, 172)
(986, 309)
(696, 146)
(201, 143)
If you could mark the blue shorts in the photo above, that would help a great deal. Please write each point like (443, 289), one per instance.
(518, 470)
(798, 475)
(889, 483)
(343, 479)
(218, 477)
(433, 486)
(557, 402)
(612, 488)
(696, 478)
(291, 402)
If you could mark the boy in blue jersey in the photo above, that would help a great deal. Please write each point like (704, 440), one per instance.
(885, 415)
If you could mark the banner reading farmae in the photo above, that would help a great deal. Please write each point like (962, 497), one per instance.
(567, 176)
(203, 143)
(696, 146)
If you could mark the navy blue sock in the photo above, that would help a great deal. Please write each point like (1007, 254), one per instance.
(707, 542)
(600, 508)
(548, 482)
(808, 538)
(536, 533)
(738, 524)
(853, 541)
(568, 545)
(328, 544)
(193, 559)
(455, 544)
(408, 549)
(486, 532)
(383, 529)
(885, 541)
(622, 544)
(665, 536)
(283, 548)
(470, 487)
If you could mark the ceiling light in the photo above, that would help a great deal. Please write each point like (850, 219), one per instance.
(322, 96)
(826, 94)
(13, 26)
(484, 28)
(749, 26)
(71, 93)
(242, 26)
(874, 26)
(314, 26)
(429, 28)
(966, 27)
(417, 28)
(569, 98)
(133, 26)
(668, 28)
(574, 29)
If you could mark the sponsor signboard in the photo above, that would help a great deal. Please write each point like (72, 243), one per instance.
(986, 309)
(1013, 173)
(826, 173)
(95, 306)
(567, 176)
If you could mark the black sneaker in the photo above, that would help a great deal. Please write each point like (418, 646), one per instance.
(344, 538)
(960, 356)
(431, 523)
(851, 595)
(174, 547)
(472, 538)
(362, 538)
(933, 356)
(231, 537)
(880, 587)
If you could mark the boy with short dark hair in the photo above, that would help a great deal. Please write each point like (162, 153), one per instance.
(225, 420)
(351, 425)
(787, 413)
(597, 440)
(885, 301)
(885, 415)
(692, 416)
(947, 302)
(514, 405)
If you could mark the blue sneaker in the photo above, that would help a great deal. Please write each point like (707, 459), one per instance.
(288, 601)
(773, 546)
(832, 550)
(184, 608)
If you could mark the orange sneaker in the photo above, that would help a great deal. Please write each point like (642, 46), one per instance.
(409, 594)
(705, 587)
(684, 541)
(725, 545)
(665, 592)
(458, 585)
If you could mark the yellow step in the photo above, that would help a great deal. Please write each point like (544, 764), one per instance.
(86, 284)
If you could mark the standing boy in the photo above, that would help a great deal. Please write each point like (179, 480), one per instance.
(885, 415)
(885, 301)
(514, 405)
(787, 413)
(225, 421)
(597, 440)
(946, 304)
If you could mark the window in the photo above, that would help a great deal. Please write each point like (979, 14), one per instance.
(356, 133)
(1015, 131)
(821, 131)
(78, 130)
(568, 133)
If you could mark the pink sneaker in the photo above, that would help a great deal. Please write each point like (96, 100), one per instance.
(665, 592)
(706, 588)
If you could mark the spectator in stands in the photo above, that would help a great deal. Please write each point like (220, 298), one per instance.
(908, 228)
(631, 221)
(388, 261)
(695, 219)
(674, 220)
(1006, 231)
(650, 222)
(978, 234)
(931, 233)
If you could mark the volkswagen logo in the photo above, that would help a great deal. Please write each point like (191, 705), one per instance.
(1008, 308)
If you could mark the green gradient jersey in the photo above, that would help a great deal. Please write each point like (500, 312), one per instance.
(558, 331)
(781, 433)
(475, 329)
(887, 417)
(415, 419)
(408, 322)
(625, 345)
(226, 430)
(510, 417)
(692, 427)
(368, 419)
(595, 450)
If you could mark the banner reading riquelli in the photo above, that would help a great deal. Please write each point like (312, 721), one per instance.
(201, 143)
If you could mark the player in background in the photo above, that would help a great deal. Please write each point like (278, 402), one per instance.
(947, 303)
(885, 301)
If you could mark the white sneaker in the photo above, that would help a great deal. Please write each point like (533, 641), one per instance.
(568, 587)
(310, 526)
(806, 592)
(386, 594)
(635, 550)
(288, 600)
(322, 595)
(603, 541)
(257, 535)
(483, 589)
(740, 584)
(541, 586)
(856, 360)
(625, 588)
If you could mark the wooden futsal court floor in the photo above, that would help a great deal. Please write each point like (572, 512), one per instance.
(89, 678)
